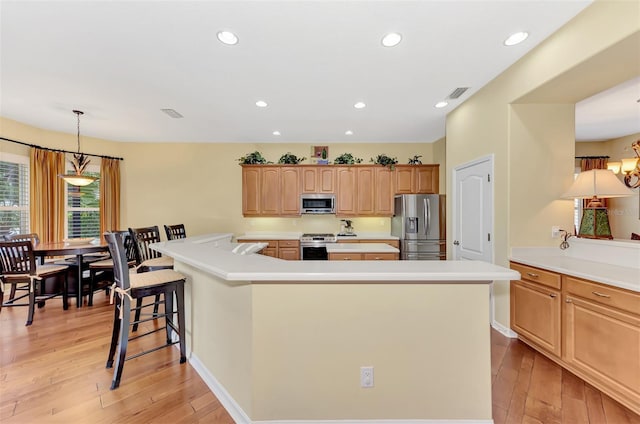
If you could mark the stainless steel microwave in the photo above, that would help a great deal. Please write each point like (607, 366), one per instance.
(317, 203)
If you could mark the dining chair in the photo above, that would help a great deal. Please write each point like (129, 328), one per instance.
(20, 271)
(129, 286)
(33, 238)
(102, 271)
(175, 231)
(147, 260)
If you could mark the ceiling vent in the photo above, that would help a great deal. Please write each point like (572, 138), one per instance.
(172, 113)
(458, 92)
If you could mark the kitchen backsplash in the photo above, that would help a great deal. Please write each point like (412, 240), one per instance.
(316, 224)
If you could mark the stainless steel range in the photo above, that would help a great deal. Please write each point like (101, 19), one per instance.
(313, 247)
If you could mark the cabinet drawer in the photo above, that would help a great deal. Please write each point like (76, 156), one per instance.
(380, 256)
(605, 295)
(288, 243)
(345, 256)
(536, 275)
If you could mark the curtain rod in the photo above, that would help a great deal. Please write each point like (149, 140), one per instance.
(57, 150)
(592, 157)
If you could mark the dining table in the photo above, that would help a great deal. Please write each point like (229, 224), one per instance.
(68, 248)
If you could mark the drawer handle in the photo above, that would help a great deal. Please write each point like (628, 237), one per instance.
(601, 294)
(568, 300)
(552, 295)
(532, 275)
(346, 259)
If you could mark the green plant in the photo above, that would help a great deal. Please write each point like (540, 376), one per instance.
(346, 159)
(289, 158)
(415, 160)
(253, 159)
(385, 160)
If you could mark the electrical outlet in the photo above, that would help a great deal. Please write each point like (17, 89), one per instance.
(366, 377)
(555, 231)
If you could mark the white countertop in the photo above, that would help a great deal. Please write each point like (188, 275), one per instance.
(368, 236)
(296, 236)
(361, 248)
(608, 262)
(211, 253)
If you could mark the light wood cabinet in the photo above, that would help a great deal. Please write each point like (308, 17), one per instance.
(384, 191)
(282, 249)
(365, 192)
(391, 242)
(346, 204)
(417, 179)
(363, 256)
(318, 179)
(270, 190)
(290, 190)
(602, 336)
(591, 329)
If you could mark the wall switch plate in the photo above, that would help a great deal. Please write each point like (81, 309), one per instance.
(366, 377)
(555, 231)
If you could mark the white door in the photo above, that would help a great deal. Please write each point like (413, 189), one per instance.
(472, 205)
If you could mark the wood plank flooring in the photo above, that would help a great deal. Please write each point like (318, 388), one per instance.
(54, 371)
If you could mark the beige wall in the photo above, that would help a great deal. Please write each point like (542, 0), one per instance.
(199, 184)
(624, 216)
(596, 50)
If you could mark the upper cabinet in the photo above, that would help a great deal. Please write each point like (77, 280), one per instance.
(361, 190)
(417, 179)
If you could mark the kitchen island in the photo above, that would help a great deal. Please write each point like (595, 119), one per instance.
(285, 340)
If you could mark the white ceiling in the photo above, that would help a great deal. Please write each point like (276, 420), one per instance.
(610, 114)
(122, 61)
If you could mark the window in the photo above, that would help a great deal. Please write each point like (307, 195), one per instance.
(83, 207)
(14, 194)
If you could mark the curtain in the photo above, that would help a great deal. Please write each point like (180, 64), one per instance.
(46, 199)
(109, 195)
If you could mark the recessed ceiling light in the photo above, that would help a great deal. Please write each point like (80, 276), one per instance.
(227, 37)
(276, 133)
(261, 103)
(348, 132)
(516, 38)
(360, 105)
(392, 39)
(440, 105)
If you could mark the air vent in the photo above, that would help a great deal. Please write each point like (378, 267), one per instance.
(458, 92)
(172, 113)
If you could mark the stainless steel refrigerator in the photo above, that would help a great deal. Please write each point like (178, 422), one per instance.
(419, 221)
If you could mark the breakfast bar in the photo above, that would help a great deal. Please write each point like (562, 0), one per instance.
(286, 340)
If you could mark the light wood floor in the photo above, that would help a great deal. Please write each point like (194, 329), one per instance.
(54, 371)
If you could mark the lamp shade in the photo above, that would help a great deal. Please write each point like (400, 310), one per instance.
(629, 164)
(614, 167)
(597, 183)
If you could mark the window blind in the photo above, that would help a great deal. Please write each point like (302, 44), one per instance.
(83, 209)
(14, 195)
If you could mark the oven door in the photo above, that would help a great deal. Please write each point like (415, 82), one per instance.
(314, 253)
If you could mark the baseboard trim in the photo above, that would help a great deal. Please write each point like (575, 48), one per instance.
(507, 332)
(240, 417)
(232, 407)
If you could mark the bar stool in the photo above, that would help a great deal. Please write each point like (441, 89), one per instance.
(175, 231)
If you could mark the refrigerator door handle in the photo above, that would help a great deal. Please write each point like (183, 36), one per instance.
(427, 215)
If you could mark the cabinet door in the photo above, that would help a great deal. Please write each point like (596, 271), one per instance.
(326, 180)
(426, 179)
(404, 180)
(604, 344)
(309, 179)
(365, 194)
(535, 314)
(345, 256)
(289, 253)
(380, 256)
(383, 192)
(270, 191)
(290, 191)
(251, 191)
(346, 191)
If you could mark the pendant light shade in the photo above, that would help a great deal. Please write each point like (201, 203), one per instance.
(79, 163)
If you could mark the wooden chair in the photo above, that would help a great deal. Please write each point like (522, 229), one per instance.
(148, 259)
(100, 271)
(34, 239)
(19, 270)
(130, 286)
(175, 231)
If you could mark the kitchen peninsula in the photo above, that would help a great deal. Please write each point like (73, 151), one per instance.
(285, 340)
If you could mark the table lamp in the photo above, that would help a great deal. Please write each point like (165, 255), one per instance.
(596, 184)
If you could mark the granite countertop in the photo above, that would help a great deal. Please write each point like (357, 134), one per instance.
(211, 253)
(361, 248)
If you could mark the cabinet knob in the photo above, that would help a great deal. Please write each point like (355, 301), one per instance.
(568, 300)
(552, 295)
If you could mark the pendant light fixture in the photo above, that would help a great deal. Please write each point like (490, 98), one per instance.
(79, 162)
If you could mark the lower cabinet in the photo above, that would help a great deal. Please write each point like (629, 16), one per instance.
(591, 329)
(363, 256)
(282, 249)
